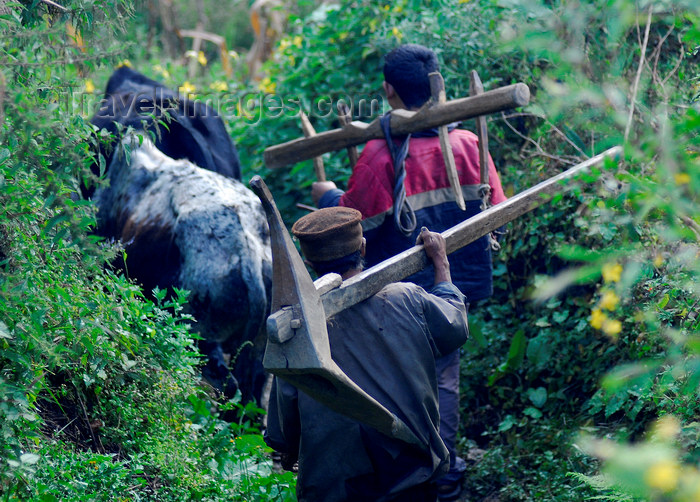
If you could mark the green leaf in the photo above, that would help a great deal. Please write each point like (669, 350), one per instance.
(539, 350)
(615, 403)
(507, 423)
(560, 316)
(102, 164)
(516, 351)
(4, 331)
(476, 340)
(532, 412)
(29, 458)
(537, 396)
(57, 219)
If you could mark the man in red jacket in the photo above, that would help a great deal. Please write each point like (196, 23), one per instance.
(400, 186)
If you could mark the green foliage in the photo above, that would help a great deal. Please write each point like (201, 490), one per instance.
(100, 395)
(642, 227)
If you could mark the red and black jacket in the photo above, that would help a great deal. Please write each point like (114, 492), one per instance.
(370, 190)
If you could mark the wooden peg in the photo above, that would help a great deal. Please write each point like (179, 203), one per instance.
(345, 118)
(437, 91)
(309, 132)
(476, 88)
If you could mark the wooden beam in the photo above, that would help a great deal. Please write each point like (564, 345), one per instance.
(402, 122)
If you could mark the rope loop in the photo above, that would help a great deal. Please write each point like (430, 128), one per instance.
(485, 196)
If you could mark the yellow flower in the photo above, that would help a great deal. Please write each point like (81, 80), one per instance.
(663, 475)
(598, 318)
(202, 58)
(682, 178)
(159, 69)
(284, 43)
(667, 427)
(612, 272)
(219, 85)
(609, 300)
(658, 260)
(463, 1)
(612, 327)
(297, 40)
(397, 33)
(398, 8)
(386, 7)
(89, 86)
(267, 86)
(124, 62)
(187, 88)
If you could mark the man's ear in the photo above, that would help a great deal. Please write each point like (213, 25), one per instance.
(389, 90)
(392, 96)
(363, 247)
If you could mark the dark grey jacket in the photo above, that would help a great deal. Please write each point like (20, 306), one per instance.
(387, 345)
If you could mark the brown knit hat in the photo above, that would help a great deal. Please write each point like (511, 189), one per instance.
(329, 233)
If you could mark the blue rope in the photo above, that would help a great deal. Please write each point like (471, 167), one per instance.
(404, 215)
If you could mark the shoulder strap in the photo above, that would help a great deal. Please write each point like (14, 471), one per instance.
(404, 216)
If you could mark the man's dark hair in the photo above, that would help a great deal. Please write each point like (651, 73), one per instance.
(406, 68)
(339, 265)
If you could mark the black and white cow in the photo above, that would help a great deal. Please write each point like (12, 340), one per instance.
(182, 128)
(186, 221)
(186, 227)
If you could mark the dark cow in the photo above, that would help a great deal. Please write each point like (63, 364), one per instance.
(189, 130)
(188, 225)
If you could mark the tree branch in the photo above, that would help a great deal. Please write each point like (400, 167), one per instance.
(642, 59)
(54, 4)
(539, 148)
(692, 225)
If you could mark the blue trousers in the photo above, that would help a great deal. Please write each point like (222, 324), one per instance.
(448, 395)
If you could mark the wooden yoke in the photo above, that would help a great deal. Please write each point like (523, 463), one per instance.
(402, 122)
(298, 349)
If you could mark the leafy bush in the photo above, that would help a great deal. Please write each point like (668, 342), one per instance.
(99, 386)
